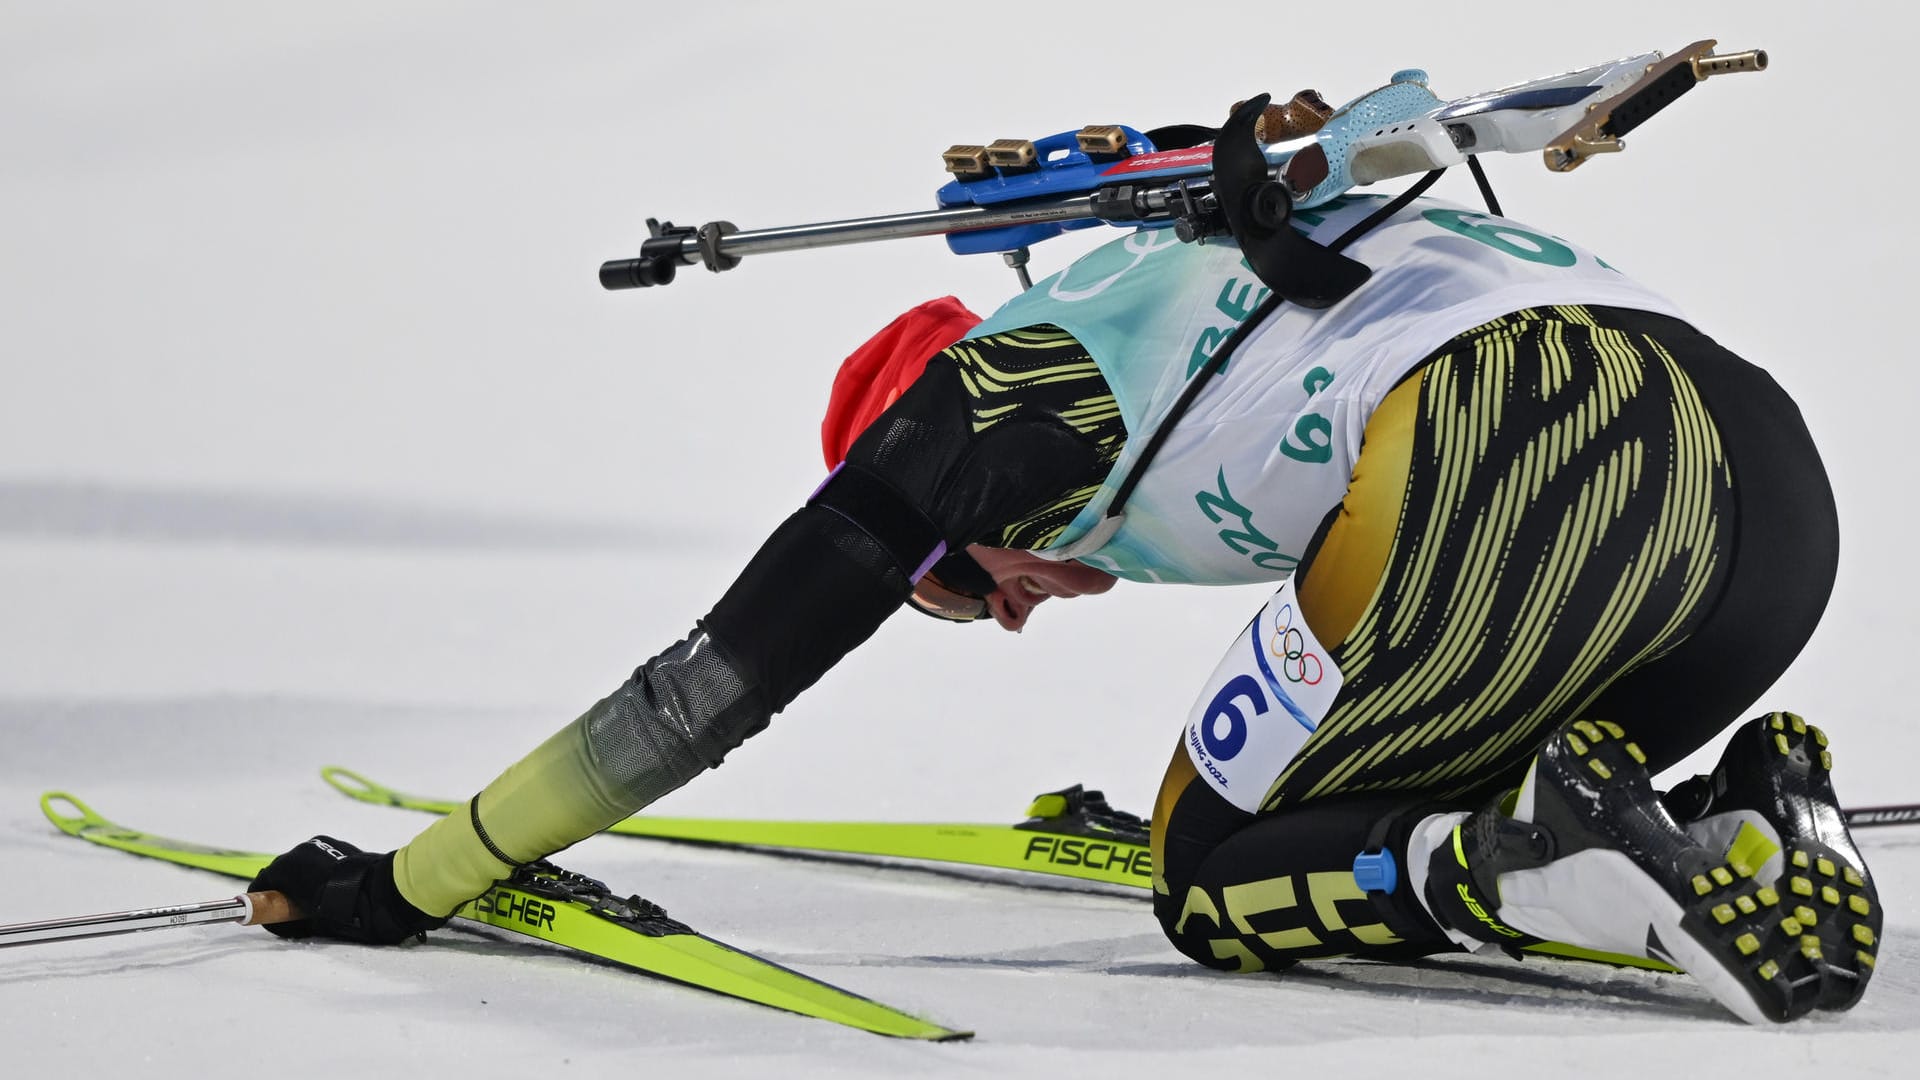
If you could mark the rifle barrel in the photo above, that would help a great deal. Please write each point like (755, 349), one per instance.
(893, 226)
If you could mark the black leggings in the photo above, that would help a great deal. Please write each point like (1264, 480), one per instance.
(1602, 514)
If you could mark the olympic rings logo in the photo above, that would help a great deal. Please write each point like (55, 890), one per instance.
(1289, 646)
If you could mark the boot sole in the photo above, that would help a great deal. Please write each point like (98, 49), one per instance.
(1823, 878)
(1742, 941)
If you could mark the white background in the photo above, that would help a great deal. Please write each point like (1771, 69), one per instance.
(320, 443)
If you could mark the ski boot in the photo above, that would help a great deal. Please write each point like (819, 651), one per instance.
(1584, 854)
(1769, 805)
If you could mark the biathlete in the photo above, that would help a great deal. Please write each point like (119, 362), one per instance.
(1536, 539)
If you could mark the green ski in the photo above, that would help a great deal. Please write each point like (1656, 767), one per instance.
(545, 902)
(1070, 833)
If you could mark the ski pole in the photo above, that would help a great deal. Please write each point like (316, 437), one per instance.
(1861, 816)
(249, 909)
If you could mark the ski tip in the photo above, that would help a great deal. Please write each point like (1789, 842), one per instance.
(352, 784)
(69, 813)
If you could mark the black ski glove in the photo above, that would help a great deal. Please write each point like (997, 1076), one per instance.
(345, 892)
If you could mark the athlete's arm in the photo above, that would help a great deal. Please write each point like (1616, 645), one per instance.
(924, 474)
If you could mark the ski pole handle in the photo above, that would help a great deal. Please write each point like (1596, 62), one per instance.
(249, 909)
(268, 907)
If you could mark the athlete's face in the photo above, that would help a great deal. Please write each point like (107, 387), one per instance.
(1023, 580)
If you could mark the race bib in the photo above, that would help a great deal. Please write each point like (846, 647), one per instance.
(1268, 695)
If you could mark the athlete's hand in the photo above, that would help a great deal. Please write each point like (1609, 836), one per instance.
(346, 893)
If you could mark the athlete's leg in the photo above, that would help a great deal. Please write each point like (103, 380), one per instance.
(1221, 871)
(1541, 507)
(1586, 853)
(1764, 895)
(1244, 892)
(1769, 803)
(1784, 554)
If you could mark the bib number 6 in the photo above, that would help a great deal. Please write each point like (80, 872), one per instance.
(1504, 237)
(1223, 745)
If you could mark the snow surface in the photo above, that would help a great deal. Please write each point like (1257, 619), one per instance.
(320, 444)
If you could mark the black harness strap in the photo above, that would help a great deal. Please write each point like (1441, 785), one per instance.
(1218, 360)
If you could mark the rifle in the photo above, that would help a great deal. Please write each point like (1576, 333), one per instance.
(1010, 194)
